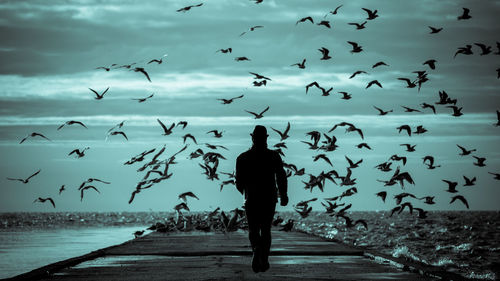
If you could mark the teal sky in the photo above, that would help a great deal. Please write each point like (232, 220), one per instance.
(50, 50)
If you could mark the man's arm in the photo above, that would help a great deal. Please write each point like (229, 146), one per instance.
(281, 181)
(239, 176)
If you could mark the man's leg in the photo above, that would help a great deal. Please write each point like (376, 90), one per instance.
(265, 228)
(254, 236)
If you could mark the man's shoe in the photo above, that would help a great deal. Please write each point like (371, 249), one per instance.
(264, 262)
(256, 261)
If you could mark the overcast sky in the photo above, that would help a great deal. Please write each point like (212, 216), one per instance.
(50, 51)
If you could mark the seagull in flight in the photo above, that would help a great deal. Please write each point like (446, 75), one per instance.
(435, 30)
(71, 122)
(228, 101)
(300, 65)
(305, 19)
(260, 115)
(144, 99)
(187, 8)
(371, 14)
(251, 29)
(334, 12)
(183, 196)
(465, 15)
(382, 112)
(325, 53)
(97, 95)
(42, 200)
(359, 26)
(118, 133)
(26, 180)
(158, 61)
(461, 198)
(32, 135)
(143, 71)
(166, 131)
(283, 135)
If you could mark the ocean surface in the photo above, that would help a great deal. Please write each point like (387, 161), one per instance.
(464, 242)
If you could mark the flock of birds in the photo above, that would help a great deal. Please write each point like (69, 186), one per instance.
(158, 166)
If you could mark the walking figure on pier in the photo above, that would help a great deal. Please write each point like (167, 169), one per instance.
(260, 177)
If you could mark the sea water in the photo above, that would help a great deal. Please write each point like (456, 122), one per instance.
(467, 243)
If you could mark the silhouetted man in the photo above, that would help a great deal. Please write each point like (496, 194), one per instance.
(258, 171)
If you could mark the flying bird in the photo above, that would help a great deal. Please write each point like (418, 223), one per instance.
(467, 50)
(216, 133)
(409, 83)
(283, 135)
(322, 156)
(187, 8)
(79, 153)
(97, 95)
(345, 95)
(251, 29)
(325, 23)
(380, 63)
(140, 100)
(431, 63)
(426, 105)
(301, 65)
(435, 30)
(371, 14)
(469, 182)
(452, 186)
(258, 76)
(409, 147)
(457, 111)
(479, 161)
(356, 48)
(461, 198)
(429, 161)
(382, 112)
(71, 122)
(242, 59)
(409, 109)
(42, 200)
(260, 115)
(359, 26)
(166, 131)
(228, 101)
(224, 51)
(373, 82)
(465, 15)
(356, 73)
(183, 196)
(26, 180)
(158, 61)
(305, 19)
(325, 53)
(496, 175)
(32, 135)
(484, 49)
(62, 189)
(363, 144)
(382, 195)
(85, 188)
(353, 165)
(186, 136)
(465, 151)
(334, 12)
(406, 128)
(118, 133)
(143, 71)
